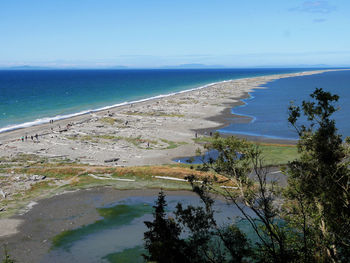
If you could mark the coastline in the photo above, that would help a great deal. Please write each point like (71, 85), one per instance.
(149, 132)
(46, 120)
(169, 124)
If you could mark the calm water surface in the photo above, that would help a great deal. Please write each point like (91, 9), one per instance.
(118, 235)
(268, 107)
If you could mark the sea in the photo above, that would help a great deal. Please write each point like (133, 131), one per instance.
(31, 97)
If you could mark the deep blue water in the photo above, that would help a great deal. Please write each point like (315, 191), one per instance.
(35, 96)
(269, 107)
(206, 157)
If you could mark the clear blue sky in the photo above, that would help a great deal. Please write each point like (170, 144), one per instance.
(152, 33)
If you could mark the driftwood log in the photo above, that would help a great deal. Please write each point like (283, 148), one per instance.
(112, 160)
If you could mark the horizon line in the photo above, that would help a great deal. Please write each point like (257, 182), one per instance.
(187, 66)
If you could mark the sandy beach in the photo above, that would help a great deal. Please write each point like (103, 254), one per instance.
(147, 133)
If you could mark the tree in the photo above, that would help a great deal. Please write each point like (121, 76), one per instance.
(202, 239)
(308, 221)
(7, 258)
(319, 184)
(207, 241)
(162, 240)
(240, 163)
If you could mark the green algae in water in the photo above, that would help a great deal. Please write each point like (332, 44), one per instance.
(118, 235)
(112, 217)
(131, 255)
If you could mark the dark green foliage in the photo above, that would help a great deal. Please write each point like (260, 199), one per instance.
(162, 240)
(308, 221)
(319, 185)
(242, 163)
(7, 258)
(207, 241)
(202, 239)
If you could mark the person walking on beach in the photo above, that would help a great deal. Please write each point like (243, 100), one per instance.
(36, 137)
(32, 137)
(22, 138)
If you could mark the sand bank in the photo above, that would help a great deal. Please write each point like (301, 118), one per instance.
(145, 133)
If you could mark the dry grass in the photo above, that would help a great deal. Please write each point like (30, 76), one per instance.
(56, 172)
(70, 177)
(109, 120)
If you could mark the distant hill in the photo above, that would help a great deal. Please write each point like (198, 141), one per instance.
(193, 66)
(296, 66)
(182, 66)
(26, 67)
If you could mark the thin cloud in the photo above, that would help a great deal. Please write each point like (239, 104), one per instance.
(321, 7)
(319, 20)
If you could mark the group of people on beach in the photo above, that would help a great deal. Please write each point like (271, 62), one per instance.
(26, 137)
(205, 133)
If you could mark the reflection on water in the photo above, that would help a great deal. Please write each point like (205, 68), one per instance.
(118, 235)
(199, 159)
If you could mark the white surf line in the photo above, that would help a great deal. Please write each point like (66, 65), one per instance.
(92, 112)
(105, 177)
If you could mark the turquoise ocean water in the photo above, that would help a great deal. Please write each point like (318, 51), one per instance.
(29, 97)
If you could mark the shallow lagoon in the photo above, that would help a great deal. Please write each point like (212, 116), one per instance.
(118, 235)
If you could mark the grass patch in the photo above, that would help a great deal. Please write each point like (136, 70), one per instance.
(106, 137)
(203, 140)
(172, 144)
(56, 172)
(278, 154)
(136, 141)
(65, 178)
(273, 154)
(108, 120)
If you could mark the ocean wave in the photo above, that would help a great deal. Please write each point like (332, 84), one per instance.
(67, 116)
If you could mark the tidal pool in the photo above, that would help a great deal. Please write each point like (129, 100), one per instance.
(118, 235)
